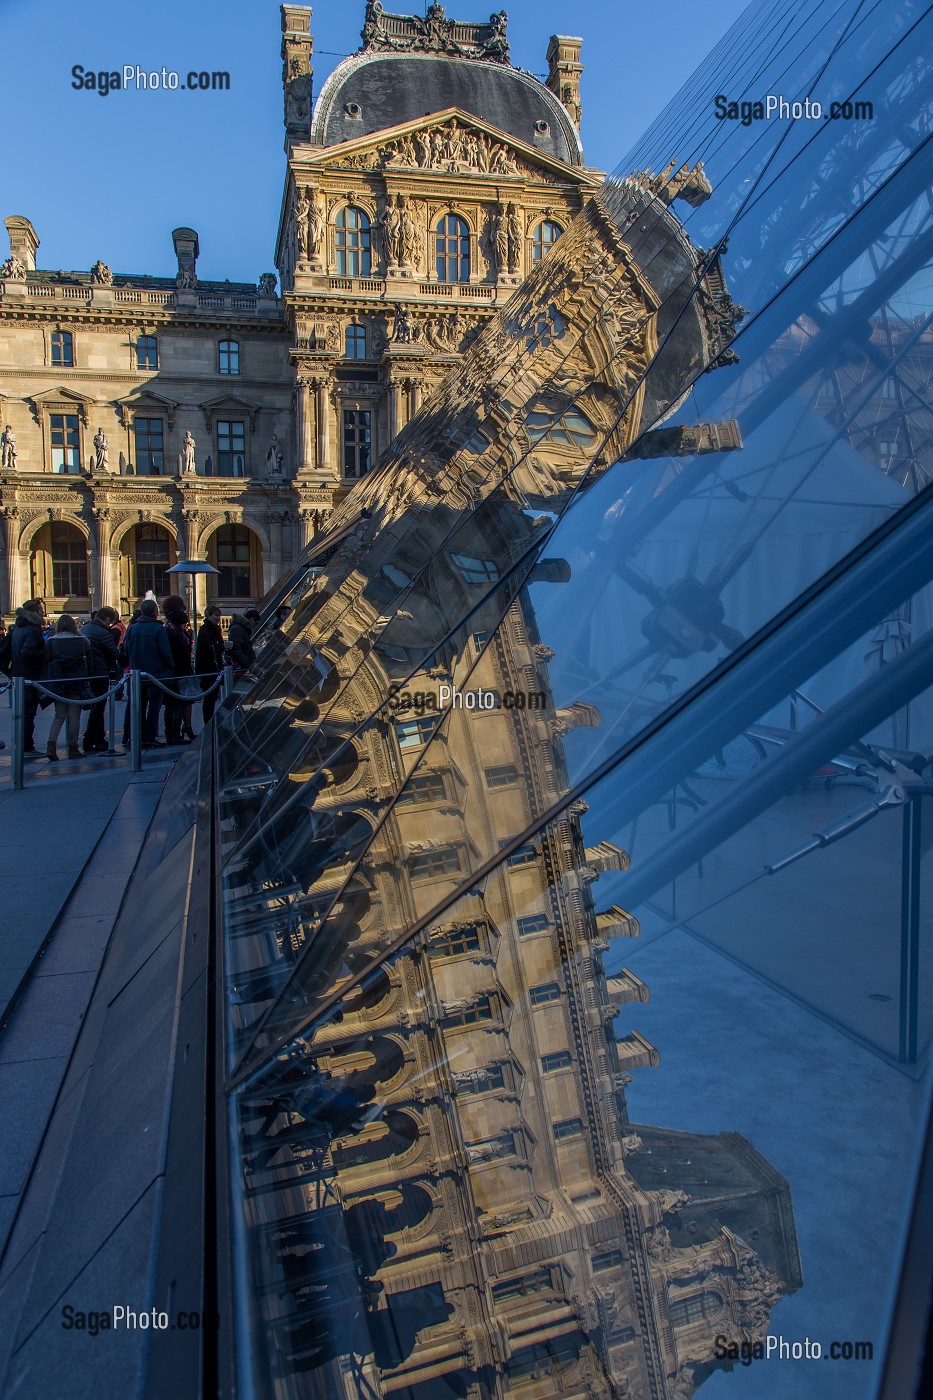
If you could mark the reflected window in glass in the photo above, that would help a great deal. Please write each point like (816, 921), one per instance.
(545, 992)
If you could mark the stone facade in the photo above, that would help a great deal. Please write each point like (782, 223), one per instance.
(150, 419)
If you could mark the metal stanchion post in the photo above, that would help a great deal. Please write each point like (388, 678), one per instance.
(136, 722)
(112, 718)
(19, 732)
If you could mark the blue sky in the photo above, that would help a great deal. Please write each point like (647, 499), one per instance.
(110, 177)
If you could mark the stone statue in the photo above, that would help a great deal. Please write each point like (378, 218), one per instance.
(513, 229)
(267, 284)
(499, 240)
(101, 450)
(8, 449)
(187, 454)
(391, 223)
(274, 456)
(409, 237)
(101, 275)
(186, 279)
(13, 270)
(316, 225)
(300, 212)
(404, 331)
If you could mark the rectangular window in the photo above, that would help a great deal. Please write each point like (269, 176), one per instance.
(231, 448)
(492, 1077)
(609, 1259)
(229, 357)
(475, 570)
(525, 855)
(63, 349)
(149, 438)
(427, 863)
(547, 991)
(69, 562)
(232, 543)
(503, 775)
(356, 441)
(544, 1359)
(478, 1011)
(558, 1059)
(479, 640)
(412, 733)
(454, 942)
(422, 787)
(533, 923)
(147, 352)
(534, 1282)
(152, 560)
(567, 1128)
(66, 443)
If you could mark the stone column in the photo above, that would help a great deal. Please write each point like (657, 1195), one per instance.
(304, 429)
(100, 560)
(307, 526)
(9, 580)
(414, 397)
(323, 424)
(395, 408)
(275, 544)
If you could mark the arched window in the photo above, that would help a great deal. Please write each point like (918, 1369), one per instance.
(354, 243)
(63, 348)
(147, 352)
(152, 551)
(544, 237)
(68, 549)
(229, 357)
(453, 249)
(355, 343)
(696, 1307)
(233, 551)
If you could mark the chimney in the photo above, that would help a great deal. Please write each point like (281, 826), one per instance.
(564, 69)
(186, 251)
(23, 240)
(297, 48)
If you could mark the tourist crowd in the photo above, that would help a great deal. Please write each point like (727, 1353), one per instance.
(81, 664)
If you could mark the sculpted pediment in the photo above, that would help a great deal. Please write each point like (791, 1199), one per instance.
(450, 143)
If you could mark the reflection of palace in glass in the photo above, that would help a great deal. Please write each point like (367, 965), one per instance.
(549, 911)
(441, 1180)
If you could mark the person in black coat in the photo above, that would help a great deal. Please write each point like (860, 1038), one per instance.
(104, 669)
(27, 659)
(148, 649)
(239, 640)
(177, 731)
(209, 657)
(66, 670)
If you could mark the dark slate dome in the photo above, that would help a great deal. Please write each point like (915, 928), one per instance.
(372, 91)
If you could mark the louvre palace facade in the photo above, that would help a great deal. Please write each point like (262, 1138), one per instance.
(147, 419)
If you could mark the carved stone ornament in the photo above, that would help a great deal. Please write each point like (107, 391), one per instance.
(435, 33)
(676, 183)
(13, 270)
(101, 275)
(448, 147)
(267, 284)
